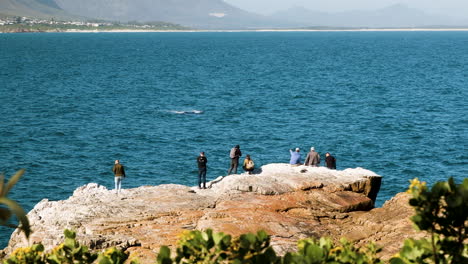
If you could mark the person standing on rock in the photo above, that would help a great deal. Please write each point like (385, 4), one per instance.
(119, 174)
(295, 157)
(313, 158)
(330, 161)
(235, 154)
(202, 161)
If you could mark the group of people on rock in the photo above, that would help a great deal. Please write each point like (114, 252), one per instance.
(312, 159)
(234, 155)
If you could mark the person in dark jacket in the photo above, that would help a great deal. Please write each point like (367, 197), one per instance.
(313, 158)
(330, 161)
(235, 154)
(119, 174)
(202, 161)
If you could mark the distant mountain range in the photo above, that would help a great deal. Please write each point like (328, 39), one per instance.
(393, 16)
(205, 14)
(33, 8)
(217, 14)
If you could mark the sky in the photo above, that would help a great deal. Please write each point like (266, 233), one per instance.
(457, 8)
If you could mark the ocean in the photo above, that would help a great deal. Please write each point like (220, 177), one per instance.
(71, 103)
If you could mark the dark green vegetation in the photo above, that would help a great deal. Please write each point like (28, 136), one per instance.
(208, 247)
(10, 24)
(68, 27)
(441, 211)
(69, 251)
(11, 207)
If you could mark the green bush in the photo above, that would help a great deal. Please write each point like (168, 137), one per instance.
(68, 252)
(208, 247)
(443, 213)
(312, 251)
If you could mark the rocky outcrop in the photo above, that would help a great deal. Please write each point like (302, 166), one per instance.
(288, 202)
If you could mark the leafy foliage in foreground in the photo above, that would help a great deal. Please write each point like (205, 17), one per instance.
(208, 247)
(69, 251)
(443, 213)
(11, 207)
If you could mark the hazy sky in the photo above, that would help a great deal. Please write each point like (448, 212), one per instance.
(457, 8)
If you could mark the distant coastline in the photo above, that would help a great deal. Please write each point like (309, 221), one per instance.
(240, 30)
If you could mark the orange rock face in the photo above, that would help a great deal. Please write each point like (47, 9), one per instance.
(286, 202)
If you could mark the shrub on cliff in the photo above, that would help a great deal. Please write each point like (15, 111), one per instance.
(208, 247)
(216, 248)
(70, 251)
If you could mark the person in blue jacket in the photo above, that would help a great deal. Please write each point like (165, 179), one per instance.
(295, 157)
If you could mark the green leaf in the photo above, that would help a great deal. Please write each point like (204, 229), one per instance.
(454, 201)
(164, 256)
(205, 236)
(5, 214)
(314, 252)
(397, 260)
(38, 247)
(13, 180)
(217, 237)
(250, 238)
(20, 214)
(104, 260)
(2, 184)
(262, 235)
(69, 234)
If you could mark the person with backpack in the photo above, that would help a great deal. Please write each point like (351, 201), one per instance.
(235, 154)
(249, 164)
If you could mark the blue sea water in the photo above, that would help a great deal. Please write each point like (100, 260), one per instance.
(70, 104)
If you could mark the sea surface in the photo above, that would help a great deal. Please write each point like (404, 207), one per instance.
(70, 104)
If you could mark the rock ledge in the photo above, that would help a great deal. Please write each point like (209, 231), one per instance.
(288, 202)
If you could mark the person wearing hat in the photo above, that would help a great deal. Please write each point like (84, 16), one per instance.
(235, 154)
(313, 158)
(295, 157)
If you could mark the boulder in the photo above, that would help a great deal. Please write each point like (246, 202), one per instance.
(288, 202)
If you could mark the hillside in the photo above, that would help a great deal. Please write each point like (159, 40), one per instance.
(33, 8)
(206, 14)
